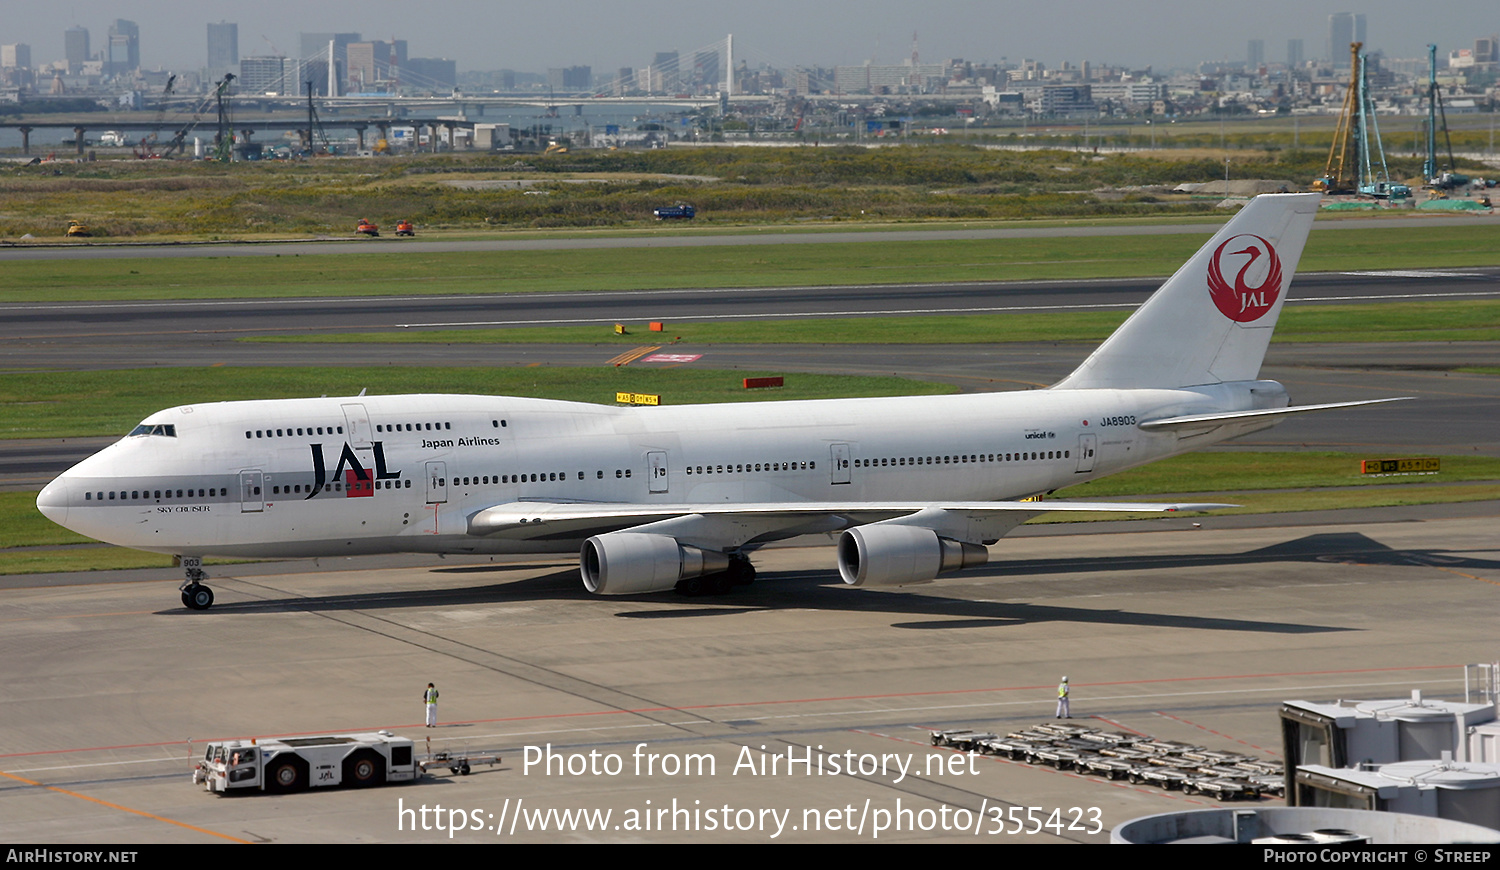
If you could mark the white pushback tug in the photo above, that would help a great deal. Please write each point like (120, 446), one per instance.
(288, 764)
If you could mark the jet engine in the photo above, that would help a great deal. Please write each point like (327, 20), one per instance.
(625, 563)
(884, 554)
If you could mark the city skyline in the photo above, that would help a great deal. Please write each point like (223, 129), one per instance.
(484, 36)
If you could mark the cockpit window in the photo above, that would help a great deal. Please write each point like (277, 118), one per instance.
(169, 430)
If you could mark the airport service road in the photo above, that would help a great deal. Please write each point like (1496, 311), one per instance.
(144, 331)
(1180, 634)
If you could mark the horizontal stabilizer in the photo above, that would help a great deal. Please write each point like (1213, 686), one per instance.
(1195, 420)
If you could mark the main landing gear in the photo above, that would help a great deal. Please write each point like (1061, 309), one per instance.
(195, 595)
(739, 573)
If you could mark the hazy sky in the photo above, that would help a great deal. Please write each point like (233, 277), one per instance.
(607, 34)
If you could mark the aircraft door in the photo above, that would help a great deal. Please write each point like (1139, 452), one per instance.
(1086, 447)
(357, 425)
(656, 461)
(437, 483)
(252, 499)
(841, 469)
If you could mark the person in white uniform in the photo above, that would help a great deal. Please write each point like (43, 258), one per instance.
(429, 698)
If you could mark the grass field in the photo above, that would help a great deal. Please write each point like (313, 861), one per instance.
(874, 262)
(921, 178)
(83, 403)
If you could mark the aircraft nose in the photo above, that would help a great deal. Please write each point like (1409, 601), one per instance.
(52, 501)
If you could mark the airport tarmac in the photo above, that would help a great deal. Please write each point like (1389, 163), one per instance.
(1182, 633)
(149, 332)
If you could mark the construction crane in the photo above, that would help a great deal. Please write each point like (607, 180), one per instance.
(315, 127)
(178, 141)
(1356, 159)
(1447, 178)
(1337, 175)
(224, 138)
(146, 149)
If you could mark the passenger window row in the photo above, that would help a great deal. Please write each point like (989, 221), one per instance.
(355, 486)
(412, 427)
(290, 432)
(142, 494)
(751, 467)
(303, 431)
(1032, 456)
(536, 477)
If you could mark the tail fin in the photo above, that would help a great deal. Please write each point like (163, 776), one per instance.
(1210, 322)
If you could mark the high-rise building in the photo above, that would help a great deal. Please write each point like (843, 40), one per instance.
(284, 76)
(375, 62)
(1294, 53)
(316, 45)
(76, 48)
(270, 75)
(15, 56)
(664, 73)
(435, 74)
(223, 49)
(573, 78)
(708, 71)
(1255, 54)
(1344, 28)
(1487, 50)
(124, 48)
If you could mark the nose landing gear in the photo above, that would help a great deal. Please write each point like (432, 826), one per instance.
(195, 595)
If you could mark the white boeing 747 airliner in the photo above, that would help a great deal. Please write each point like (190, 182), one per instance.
(662, 497)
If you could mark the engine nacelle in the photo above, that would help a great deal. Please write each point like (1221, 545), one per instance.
(626, 563)
(885, 554)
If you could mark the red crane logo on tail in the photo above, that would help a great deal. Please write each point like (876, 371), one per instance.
(1240, 301)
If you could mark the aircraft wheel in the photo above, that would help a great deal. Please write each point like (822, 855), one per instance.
(198, 597)
(741, 572)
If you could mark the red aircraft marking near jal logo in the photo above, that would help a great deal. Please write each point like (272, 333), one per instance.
(1241, 302)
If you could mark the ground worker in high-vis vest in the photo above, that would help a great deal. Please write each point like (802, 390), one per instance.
(429, 698)
(1062, 700)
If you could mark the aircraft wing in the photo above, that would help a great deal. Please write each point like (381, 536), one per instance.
(734, 523)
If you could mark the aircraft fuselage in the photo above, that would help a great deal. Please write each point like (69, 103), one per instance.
(376, 474)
